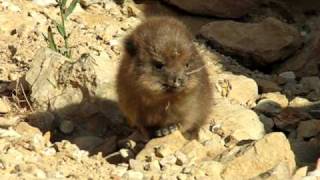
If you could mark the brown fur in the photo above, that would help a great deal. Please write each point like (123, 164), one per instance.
(153, 84)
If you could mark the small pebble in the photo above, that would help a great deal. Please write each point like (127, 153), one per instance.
(66, 126)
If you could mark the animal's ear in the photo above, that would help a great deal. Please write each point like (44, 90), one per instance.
(130, 46)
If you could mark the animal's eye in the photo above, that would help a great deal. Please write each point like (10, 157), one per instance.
(157, 64)
(187, 65)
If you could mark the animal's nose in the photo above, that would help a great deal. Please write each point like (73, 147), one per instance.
(175, 82)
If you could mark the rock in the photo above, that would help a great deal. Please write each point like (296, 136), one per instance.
(136, 165)
(276, 97)
(87, 3)
(37, 143)
(271, 103)
(44, 2)
(227, 8)
(307, 129)
(256, 159)
(305, 62)
(9, 133)
(300, 173)
(194, 151)
(267, 122)
(306, 152)
(10, 6)
(168, 161)
(232, 86)
(163, 151)
(182, 177)
(266, 42)
(311, 83)
(153, 166)
(4, 106)
(133, 175)
(108, 146)
(303, 6)
(212, 169)
(266, 86)
(214, 146)
(237, 121)
(299, 102)
(120, 170)
(126, 153)
(87, 143)
(286, 77)
(171, 171)
(3, 85)
(77, 90)
(281, 171)
(292, 89)
(6, 122)
(268, 107)
(182, 159)
(71, 150)
(290, 117)
(26, 130)
(66, 126)
(316, 171)
(172, 142)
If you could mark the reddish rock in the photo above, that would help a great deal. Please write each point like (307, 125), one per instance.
(290, 117)
(258, 43)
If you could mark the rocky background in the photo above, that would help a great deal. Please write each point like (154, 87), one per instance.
(59, 117)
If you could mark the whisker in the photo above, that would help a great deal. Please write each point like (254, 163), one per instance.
(196, 70)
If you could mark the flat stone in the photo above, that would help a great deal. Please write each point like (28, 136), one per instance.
(267, 41)
(256, 159)
(237, 121)
(232, 86)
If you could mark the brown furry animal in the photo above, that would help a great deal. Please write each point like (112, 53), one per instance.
(162, 82)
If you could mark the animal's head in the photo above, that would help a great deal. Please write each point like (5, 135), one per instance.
(163, 56)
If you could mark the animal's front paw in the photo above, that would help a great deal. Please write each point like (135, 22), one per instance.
(166, 130)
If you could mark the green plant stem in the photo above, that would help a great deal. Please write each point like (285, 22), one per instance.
(65, 38)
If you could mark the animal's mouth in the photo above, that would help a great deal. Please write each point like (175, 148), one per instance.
(171, 89)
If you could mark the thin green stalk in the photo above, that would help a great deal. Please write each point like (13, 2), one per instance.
(67, 52)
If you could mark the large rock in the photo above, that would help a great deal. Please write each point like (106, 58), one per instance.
(307, 152)
(258, 43)
(79, 88)
(265, 155)
(237, 87)
(226, 8)
(237, 121)
(306, 61)
(163, 146)
(307, 129)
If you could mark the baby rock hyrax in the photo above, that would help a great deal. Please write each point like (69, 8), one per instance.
(162, 82)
